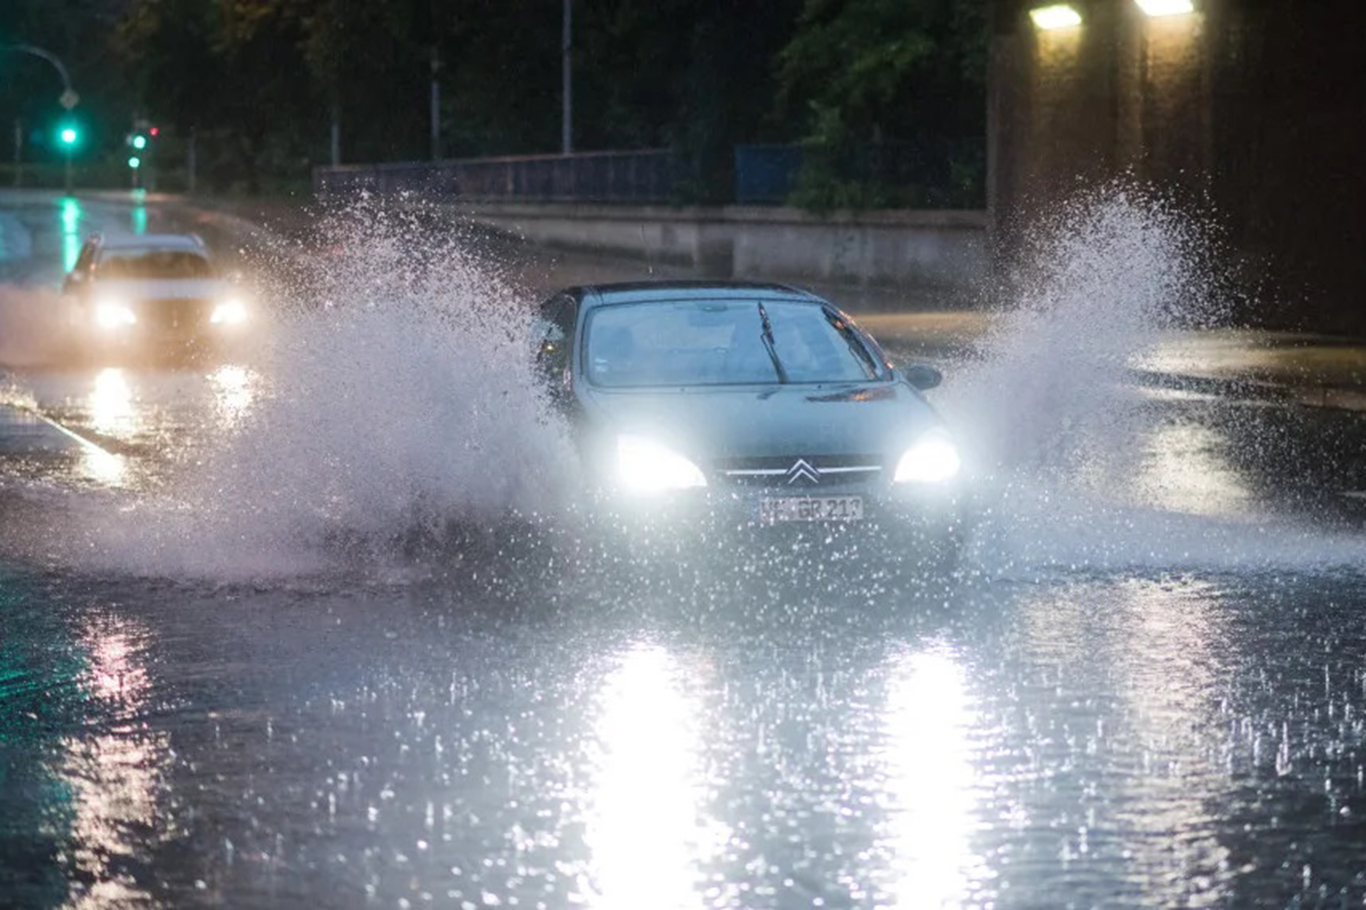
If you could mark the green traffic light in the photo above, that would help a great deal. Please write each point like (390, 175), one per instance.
(69, 136)
(139, 142)
(135, 162)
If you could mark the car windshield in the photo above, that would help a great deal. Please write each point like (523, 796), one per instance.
(154, 264)
(723, 342)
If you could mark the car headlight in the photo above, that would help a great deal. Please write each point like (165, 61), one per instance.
(111, 314)
(645, 466)
(229, 312)
(933, 459)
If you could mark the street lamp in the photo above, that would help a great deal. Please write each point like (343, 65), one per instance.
(1060, 15)
(1157, 8)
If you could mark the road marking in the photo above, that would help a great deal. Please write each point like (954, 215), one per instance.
(1354, 494)
(69, 433)
(99, 463)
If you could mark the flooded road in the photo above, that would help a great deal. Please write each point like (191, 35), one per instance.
(225, 681)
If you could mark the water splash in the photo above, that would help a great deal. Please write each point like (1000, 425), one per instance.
(1106, 275)
(33, 324)
(1076, 466)
(394, 398)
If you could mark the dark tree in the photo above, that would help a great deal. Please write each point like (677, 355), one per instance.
(893, 94)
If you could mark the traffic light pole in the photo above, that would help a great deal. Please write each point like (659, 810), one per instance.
(68, 100)
(190, 162)
(567, 80)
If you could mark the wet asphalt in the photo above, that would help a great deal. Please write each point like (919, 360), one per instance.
(1158, 699)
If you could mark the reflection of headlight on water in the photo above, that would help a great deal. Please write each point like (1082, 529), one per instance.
(644, 466)
(111, 314)
(933, 459)
(229, 312)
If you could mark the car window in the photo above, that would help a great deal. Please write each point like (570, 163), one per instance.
(154, 264)
(83, 260)
(721, 342)
(551, 332)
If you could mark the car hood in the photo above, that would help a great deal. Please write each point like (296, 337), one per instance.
(132, 290)
(757, 421)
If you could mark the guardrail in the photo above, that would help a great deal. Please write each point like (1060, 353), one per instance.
(635, 176)
(942, 174)
(766, 174)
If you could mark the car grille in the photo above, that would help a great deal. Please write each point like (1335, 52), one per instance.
(799, 472)
(178, 315)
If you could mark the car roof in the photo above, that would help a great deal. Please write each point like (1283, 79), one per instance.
(186, 242)
(647, 291)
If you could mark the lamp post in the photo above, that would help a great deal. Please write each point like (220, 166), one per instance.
(435, 105)
(68, 99)
(567, 80)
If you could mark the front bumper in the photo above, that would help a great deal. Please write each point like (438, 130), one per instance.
(153, 339)
(901, 516)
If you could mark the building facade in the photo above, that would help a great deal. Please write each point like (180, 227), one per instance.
(1250, 112)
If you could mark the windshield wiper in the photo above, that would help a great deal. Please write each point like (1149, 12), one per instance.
(855, 345)
(770, 345)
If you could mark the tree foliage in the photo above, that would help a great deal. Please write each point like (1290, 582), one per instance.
(894, 90)
(257, 82)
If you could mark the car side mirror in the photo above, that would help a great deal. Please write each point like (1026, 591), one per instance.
(922, 377)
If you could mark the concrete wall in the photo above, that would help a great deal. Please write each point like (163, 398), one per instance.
(1252, 112)
(944, 250)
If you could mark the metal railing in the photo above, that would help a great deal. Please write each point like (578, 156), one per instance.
(766, 174)
(635, 177)
(940, 174)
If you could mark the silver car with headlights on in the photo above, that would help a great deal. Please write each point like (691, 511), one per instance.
(152, 294)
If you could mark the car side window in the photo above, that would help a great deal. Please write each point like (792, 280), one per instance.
(83, 261)
(553, 332)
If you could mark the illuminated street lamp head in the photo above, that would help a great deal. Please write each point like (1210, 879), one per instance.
(68, 136)
(1157, 8)
(1060, 15)
(135, 162)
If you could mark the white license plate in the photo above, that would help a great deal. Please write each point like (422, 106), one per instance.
(774, 509)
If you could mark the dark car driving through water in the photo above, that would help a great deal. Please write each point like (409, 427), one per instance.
(151, 294)
(735, 406)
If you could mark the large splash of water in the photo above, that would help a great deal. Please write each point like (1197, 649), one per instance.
(1075, 466)
(31, 325)
(1105, 276)
(394, 396)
